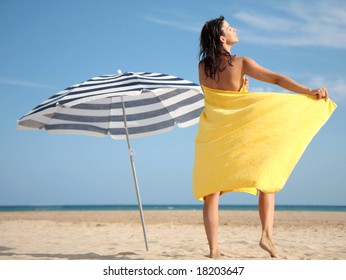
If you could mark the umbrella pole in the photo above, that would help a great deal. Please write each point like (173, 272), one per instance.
(131, 154)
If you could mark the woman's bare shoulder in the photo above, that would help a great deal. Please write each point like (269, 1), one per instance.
(243, 59)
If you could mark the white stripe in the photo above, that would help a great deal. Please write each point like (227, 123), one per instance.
(145, 134)
(103, 77)
(22, 127)
(188, 123)
(186, 109)
(144, 95)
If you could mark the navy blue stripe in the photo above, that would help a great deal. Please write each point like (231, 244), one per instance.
(102, 119)
(121, 131)
(114, 131)
(76, 127)
(189, 116)
(140, 116)
(77, 118)
(142, 129)
(43, 107)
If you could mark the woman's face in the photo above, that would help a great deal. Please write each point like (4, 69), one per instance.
(230, 34)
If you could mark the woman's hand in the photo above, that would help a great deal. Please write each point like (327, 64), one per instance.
(320, 93)
(246, 84)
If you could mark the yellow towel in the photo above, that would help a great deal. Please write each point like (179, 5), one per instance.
(250, 141)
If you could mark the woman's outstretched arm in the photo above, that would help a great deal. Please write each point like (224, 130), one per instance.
(256, 71)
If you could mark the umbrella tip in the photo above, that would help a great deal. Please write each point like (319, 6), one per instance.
(119, 71)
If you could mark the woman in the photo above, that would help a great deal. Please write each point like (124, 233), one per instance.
(248, 142)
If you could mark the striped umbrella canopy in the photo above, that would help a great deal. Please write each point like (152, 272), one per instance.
(124, 105)
(154, 103)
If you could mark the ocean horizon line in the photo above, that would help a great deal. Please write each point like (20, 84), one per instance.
(129, 207)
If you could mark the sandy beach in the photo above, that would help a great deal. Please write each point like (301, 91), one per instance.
(172, 235)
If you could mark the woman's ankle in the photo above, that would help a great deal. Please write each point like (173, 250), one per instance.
(215, 253)
(267, 243)
(267, 234)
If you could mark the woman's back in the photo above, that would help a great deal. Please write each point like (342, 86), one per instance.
(230, 77)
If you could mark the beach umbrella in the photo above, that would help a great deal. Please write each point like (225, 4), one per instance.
(124, 106)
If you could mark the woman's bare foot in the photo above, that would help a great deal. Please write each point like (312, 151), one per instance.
(267, 244)
(214, 254)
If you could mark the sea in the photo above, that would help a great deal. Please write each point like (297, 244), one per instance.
(319, 208)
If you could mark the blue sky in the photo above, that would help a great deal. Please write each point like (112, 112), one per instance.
(49, 45)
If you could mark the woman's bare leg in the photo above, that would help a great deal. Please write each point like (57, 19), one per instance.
(211, 222)
(266, 207)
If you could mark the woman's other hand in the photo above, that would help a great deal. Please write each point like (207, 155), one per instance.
(246, 84)
(320, 93)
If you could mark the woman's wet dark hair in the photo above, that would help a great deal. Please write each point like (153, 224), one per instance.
(211, 49)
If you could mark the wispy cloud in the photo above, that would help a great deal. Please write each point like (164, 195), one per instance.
(15, 82)
(173, 23)
(175, 17)
(297, 23)
(267, 23)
